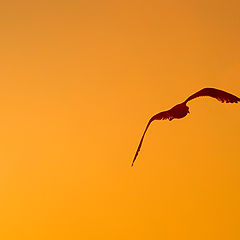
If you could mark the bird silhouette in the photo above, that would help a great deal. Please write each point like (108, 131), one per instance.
(181, 110)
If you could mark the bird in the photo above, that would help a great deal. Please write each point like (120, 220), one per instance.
(181, 110)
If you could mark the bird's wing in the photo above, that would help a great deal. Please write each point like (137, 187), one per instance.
(220, 95)
(160, 116)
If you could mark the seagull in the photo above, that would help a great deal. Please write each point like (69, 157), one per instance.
(181, 110)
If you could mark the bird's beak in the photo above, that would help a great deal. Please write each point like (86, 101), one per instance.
(188, 111)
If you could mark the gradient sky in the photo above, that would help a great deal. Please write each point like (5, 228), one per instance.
(79, 81)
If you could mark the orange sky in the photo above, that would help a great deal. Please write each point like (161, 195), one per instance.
(79, 81)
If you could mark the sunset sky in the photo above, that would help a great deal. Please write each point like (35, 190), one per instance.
(79, 82)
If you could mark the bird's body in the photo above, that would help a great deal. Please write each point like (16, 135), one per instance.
(181, 110)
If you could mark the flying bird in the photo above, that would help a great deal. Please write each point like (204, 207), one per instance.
(181, 110)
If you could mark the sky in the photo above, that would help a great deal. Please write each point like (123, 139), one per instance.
(79, 82)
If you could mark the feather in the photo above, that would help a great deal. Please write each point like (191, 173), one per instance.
(160, 116)
(220, 95)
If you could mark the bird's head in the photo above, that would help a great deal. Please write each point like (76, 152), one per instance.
(183, 107)
(179, 111)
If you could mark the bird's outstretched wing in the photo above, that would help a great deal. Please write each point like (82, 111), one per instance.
(220, 95)
(160, 116)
